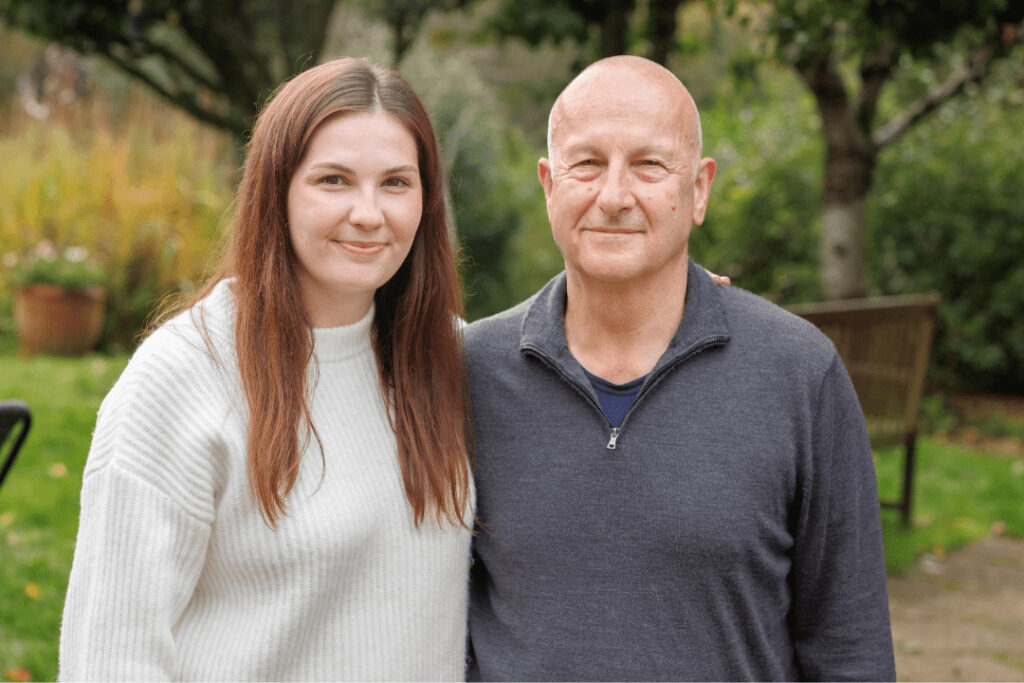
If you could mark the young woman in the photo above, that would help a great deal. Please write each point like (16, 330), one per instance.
(277, 486)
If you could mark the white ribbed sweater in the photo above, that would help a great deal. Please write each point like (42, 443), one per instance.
(175, 574)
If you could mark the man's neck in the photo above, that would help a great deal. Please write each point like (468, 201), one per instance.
(619, 330)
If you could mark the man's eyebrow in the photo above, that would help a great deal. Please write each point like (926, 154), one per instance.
(335, 166)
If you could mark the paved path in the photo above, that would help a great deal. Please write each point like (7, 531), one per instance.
(962, 618)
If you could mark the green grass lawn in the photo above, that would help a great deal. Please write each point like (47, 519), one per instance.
(961, 493)
(39, 501)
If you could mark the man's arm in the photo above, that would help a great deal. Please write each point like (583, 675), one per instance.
(839, 617)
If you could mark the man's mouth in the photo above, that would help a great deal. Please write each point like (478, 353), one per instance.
(613, 231)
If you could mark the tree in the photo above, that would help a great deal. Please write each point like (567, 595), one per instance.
(216, 59)
(404, 19)
(539, 20)
(882, 40)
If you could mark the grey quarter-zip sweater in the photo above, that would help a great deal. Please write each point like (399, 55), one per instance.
(728, 530)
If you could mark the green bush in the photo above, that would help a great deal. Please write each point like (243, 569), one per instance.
(763, 220)
(474, 147)
(144, 193)
(946, 215)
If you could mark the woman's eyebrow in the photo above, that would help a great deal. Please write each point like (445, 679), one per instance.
(335, 166)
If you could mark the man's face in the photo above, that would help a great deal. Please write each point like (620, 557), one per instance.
(620, 189)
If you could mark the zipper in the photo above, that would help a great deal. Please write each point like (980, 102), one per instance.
(656, 377)
(653, 379)
(568, 379)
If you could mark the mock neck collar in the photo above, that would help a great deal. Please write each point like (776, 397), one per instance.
(704, 320)
(345, 341)
(217, 312)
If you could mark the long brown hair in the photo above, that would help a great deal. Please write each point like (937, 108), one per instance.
(415, 333)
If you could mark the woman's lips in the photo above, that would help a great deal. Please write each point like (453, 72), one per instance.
(361, 248)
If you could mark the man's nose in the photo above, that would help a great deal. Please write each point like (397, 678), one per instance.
(616, 194)
(366, 213)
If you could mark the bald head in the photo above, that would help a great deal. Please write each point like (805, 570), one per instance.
(630, 77)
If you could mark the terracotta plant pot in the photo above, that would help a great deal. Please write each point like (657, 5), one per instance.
(50, 319)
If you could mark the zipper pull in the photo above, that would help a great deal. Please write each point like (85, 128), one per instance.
(614, 437)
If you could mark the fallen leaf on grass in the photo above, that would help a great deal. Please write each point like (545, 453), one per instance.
(6, 518)
(13, 539)
(18, 673)
(58, 470)
(908, 647)
(32, 591)
(997, 529)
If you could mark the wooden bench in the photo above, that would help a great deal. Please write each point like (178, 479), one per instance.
(884, 343)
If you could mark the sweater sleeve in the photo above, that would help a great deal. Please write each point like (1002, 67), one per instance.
(147, 507)
(840, 610)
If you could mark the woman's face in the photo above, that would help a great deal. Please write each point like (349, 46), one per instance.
(354, 204)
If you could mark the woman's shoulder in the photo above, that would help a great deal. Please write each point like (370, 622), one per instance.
(189, 358)
(173, 397)
(192, 340)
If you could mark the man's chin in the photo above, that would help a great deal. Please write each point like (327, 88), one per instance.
(610, 270)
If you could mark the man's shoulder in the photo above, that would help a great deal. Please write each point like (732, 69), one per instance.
(773, 331)
(499, 331)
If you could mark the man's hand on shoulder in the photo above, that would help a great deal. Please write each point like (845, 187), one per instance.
(719, 279)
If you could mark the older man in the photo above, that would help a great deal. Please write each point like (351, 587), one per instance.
(674, 479)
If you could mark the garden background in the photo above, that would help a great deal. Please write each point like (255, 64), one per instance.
(129, 147)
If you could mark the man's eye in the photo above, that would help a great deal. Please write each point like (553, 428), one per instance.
(650, 162)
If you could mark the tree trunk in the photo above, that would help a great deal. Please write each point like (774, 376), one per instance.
(842, 250)
(613, 29)
(849, 166)
(662, 25)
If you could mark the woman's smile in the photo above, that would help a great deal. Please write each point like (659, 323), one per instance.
(360, 248)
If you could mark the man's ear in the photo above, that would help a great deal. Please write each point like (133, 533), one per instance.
(702, 188)
(544, 175)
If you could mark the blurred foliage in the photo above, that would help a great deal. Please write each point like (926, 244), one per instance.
(946, 216)
(847, 54)
(942, 211)
(946, 415)
(763, 221)
(602, 28)
(404, 19)
(216, 59)
(807, 30)
(70, 267)
(463, 109)
(144, 194)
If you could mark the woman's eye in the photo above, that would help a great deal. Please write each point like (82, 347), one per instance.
(397, 182)
(332, 180)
